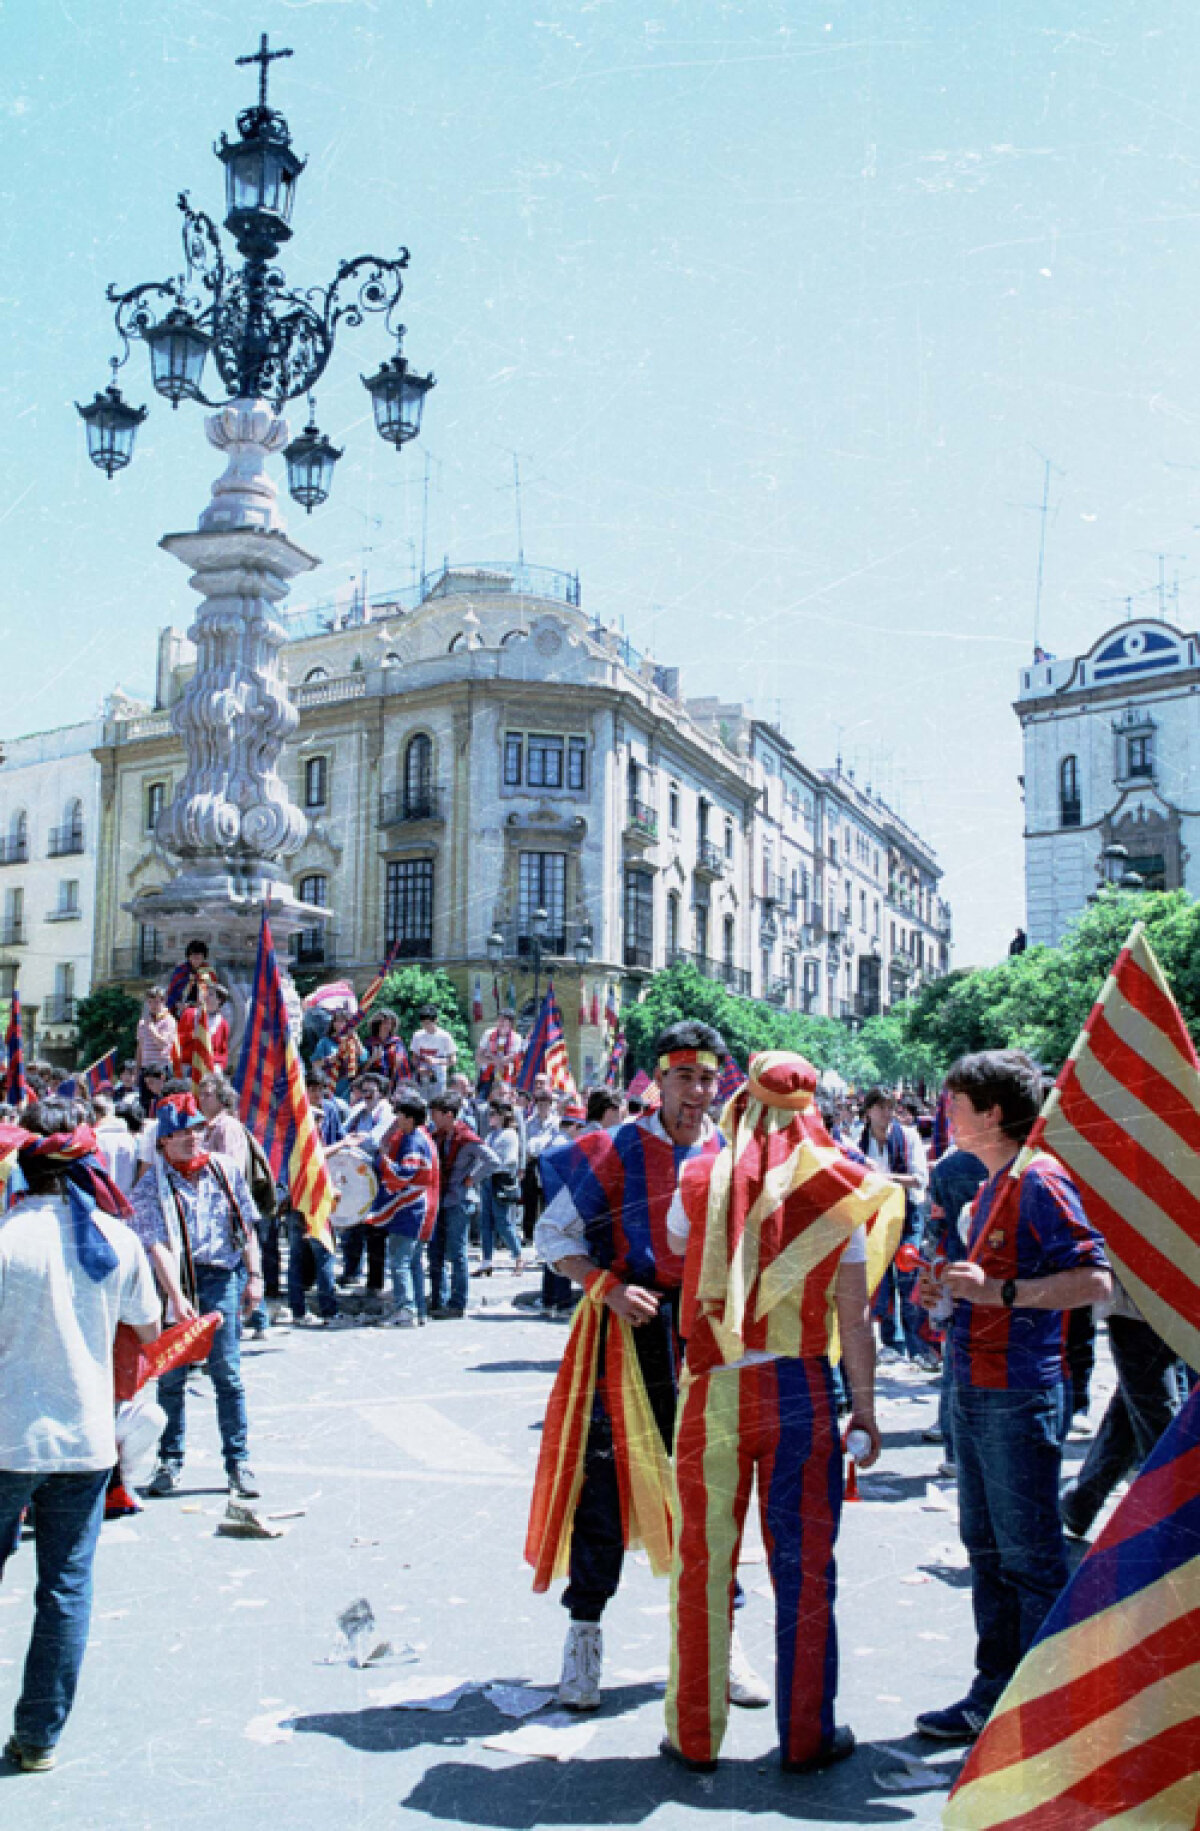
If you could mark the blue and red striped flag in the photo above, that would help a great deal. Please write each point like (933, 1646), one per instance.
(16, 1087)
(616, 1056)
(730, 1081)
(272, 1100)
(612, 1014)
(1101, 1723)
(101, 1077)
(546, 1050)
(376, 986)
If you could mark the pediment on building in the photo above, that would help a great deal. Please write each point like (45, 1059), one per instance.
(152, 859)
(1142, 813)
(318, 850)
(1136, 651)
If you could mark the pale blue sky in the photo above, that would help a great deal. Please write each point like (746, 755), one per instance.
(778, 302)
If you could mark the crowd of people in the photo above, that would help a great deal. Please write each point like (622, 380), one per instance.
(705, 1258)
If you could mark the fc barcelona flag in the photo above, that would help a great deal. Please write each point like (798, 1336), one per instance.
(16, 1088)
(102, 1074)
(546, 1050)
(1124, 1118)
(730, 1081)
(272, 1100)
(1101, 1723)
(616, 1055)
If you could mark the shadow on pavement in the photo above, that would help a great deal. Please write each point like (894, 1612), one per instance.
(515, 1367)
(628, 1790)
(379, 1730)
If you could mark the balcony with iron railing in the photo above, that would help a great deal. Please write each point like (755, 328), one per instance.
(779, 992)
(710, 859)
(402, 807)
(734, 978)
(641, 823)
(14, 851)
(141, 961)
(65, 841)
(471, 578)
(12, 932)
(59, 1008)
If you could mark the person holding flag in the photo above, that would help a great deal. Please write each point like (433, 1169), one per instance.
(202, 1041)
(776, 1233)
(1032, 1256)
(386, 1054)
(613, 1402)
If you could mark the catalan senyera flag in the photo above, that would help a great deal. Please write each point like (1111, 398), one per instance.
(376, 986)
(1100, 1725)
(16, 1088)
(546, 1050)
(272, 1100)
(1124, 1117)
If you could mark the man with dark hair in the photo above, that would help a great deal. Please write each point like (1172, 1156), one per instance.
(463, 1159)
(896, 1151)
(183, 987)
(433, 1052)
(1032, 1256)
(70, 1271)
(406, 1207)
(605, 1227)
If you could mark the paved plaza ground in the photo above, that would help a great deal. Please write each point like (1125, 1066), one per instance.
(209, 1701)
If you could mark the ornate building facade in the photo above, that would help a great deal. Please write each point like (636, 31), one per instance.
(1112, 759)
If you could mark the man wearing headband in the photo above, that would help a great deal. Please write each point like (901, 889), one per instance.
(194, 1213)
(775, 1231)
(70, 1271)
(605, 1227)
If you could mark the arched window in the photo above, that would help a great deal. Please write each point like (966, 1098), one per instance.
(392, 660)
(1069, 805)
(418, 777)
(15, 848)
(316, 674)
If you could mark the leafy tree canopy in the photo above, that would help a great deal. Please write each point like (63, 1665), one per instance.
(408, 988)
(1040, 999)
(106, 1019)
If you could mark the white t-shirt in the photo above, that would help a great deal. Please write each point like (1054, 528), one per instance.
(56, 1338)
(432, 1052)
(119, 1149)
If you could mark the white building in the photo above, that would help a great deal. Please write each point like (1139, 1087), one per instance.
(49, 834)
(1112, 757)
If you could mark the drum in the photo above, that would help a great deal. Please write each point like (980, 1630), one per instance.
(355, 1185)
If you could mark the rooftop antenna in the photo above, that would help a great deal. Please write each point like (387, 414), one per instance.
(1048, 466)
(425, 524)
(517, 499)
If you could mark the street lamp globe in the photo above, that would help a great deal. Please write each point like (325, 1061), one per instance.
(583, 948)
(310, 459)
(1114, 863)
(398, 397)
(495, 947)
(178, 348)
(261, 169)
(111, 428)
(540, 923)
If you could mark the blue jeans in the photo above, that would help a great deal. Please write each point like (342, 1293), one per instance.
(1139, 1412)
(407, 1268)
(216, 1289)
(498, 1220)
(1008, 1452)
(302, 1249)
(448, 1259)
(68, 1510)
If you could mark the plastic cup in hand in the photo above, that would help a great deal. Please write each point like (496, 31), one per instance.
(858, 1444)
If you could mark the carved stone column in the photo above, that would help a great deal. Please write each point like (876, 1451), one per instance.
(232, 827)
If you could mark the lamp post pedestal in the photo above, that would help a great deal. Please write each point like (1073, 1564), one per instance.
(232, 826)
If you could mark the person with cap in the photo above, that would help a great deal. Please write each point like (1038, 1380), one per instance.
(70, 1271)
(605, 1227)
(196, 1217)
(775, 1234)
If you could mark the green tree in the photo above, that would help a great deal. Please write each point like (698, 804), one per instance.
(106, 1019)
(407, 988)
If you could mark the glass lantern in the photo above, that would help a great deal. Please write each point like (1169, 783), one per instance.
(178, 348)
(310, 459)
(398, 397)
(111, 429)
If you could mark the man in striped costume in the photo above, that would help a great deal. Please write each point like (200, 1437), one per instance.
(605, 1227)
(777, 1232)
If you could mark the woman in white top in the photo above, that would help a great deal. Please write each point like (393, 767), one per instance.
(501, 1190)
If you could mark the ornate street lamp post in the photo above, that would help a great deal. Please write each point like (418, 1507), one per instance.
(232, 827)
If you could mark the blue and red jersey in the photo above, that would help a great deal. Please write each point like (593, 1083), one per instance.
(621, 1183)
(407, 1202)
(1037, 1230)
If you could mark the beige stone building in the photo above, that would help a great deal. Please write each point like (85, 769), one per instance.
(464, 761)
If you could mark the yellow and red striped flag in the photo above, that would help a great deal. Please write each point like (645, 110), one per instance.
(272, 1099)
(1124, 1117)
(1101, 1723)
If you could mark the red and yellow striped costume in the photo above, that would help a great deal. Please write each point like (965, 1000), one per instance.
(768, 1222)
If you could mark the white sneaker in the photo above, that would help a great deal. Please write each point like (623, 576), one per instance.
(401, 1319)
(583, 1662)
(745, 1686)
